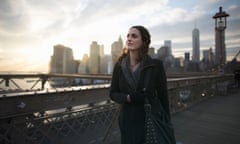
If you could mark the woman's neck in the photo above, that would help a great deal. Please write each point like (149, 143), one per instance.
(134, 58)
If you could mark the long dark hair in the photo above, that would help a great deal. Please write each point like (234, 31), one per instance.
(146, 39)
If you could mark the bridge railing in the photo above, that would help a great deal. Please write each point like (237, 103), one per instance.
(87, 116)
(40, 80)
(185, 92)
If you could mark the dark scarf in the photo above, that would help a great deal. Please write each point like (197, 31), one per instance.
(131, 77)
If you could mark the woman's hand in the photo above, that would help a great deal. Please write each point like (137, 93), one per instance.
(137, 96)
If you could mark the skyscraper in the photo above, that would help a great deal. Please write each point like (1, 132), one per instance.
(151, 52)
(186, 61)
(187, 56)
(83, 67)
(94, 58)
(116, 49)
(168, 43)
(62, 60)
(195, 45)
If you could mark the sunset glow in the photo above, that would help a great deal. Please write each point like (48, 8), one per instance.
(30, 29)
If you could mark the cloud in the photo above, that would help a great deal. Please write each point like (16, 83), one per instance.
(13, 16)
(35, 26)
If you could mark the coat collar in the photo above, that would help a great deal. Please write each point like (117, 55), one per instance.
(146, 62)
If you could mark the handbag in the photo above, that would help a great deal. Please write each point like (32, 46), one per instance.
(158, 129)
(158, 126)
(150, 130)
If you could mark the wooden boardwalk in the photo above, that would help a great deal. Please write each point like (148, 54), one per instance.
(214, 121)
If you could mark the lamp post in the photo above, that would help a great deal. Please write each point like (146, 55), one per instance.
(220, 26)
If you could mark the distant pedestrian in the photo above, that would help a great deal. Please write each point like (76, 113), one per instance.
(137, 76)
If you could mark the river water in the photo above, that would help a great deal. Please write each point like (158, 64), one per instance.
(25, 84)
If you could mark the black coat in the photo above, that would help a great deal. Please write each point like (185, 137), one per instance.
(152, 83)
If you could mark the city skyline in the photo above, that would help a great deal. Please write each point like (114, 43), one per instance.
(30, 29)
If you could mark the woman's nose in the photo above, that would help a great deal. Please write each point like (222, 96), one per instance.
(129, 39)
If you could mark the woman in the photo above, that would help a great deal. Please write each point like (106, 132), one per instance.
(135, 77)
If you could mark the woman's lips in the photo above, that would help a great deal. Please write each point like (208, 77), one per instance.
(129, 44)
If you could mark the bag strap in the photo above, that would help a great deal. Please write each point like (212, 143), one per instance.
(147, 79)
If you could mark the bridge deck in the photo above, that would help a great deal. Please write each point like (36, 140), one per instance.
(214, 121)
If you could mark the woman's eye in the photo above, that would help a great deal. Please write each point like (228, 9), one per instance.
(134, 35)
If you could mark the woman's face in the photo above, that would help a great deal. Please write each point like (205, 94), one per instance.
(134, 39)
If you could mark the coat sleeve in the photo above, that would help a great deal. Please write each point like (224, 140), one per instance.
(115, 93)
(162, 86)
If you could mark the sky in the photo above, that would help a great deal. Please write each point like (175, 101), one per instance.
(30, 28)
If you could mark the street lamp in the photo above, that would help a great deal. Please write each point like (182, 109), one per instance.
(220, 26)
